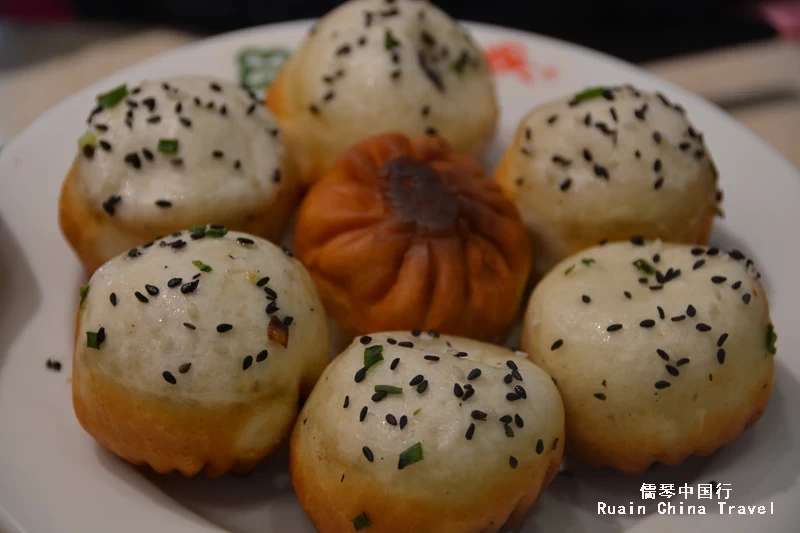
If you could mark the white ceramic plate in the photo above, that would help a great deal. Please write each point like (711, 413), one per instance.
(54, 478)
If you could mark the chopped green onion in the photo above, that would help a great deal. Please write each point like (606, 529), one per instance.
(415, 413)
(197, 229)
(389, 41)
(201, 266)
(216, 233)
(84, 293)
(460, 64)
(569, 270)
(772, 338)
(588, 261)
(168, 146)
(388, 389)
(588, 94)
(112, 97)
(362, 521)
(644, 266)
(87, 139)
(372, 356)
(91, 340)
(410, 456)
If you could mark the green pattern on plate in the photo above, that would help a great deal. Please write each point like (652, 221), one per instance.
(258, 66)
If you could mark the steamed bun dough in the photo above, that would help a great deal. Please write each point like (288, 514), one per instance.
(606, 164)
(129, 183)
(192, 353)
(371, 66)
(466, 441)
(655, 363)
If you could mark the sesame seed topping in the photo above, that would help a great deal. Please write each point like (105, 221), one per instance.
(691, 311)
(600, 396)
(478, 415)
(475, 373)
(556, 345)
(614, 327)
(403, 421)
(520, 391)
(509, 431)
(222, 328)
(394, 364)
(141, 297)
(247, 361)
(601, 172)
(649, 323)
(662, 384)
(736, 285)
(368, 454)
(511, 364)
(169, 378)
(721, 340)
(363, 413)
(133, 160)
(360, 375)
(430, 357)
(186, 122)
(682, 361)
(152, 290)
(672, 370)
(699, 263)
(746, 298)
(678, 318)
(422, 387)
(662, 354)
(539, 446)
(627, 295)
(516, 375)
(186, 288)
(391, 420)
(518, 421)
(378, 396)
(703, 327)
(565, 184)
(586, 299)
(512, 461)
(718, 279)
(657, 137)
(470, 431)
(721, 356)
(508, 378)
(461, 354)
(416, 380)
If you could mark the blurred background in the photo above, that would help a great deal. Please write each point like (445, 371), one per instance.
(743, 55)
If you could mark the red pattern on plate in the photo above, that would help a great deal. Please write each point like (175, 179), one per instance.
(511, 57)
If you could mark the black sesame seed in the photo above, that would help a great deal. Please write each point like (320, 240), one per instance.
(133, 253)
(262, 355)
(662, 354)
(736, 254)
(186, 122)
(627, 295)
(637, 240)
(271, 294)
(601, 172)
(363, 413)
(155, 119)
(551, 120)
(661, 314)
(217, 154)
(368, 454)
(461, 354)
(637, 154)
(698, 264)
(222, 328)
(520, 391)
(614, 327)
(152, 290)
(237, 164)
(141, 297)
(721, 356)
(416, 380)
(244, 241)
(672, 370)
(600, 396)
(475, 373)
(699, 153)
(168, 377)
(556, 345)
(662, 384)
(511, 364)
(682, 361)
(698, 251)
(721, 340)
(506, 419)
(133, 160)
(189, 325)
(509, 431)
(678, 318)
(313, 109)
(512, 461)
(518, 421)
(736, 285)
(422, 387)
(391, 420)
(287, 320)
(174, 282)
(703, 327)
(508, 378)
(394, 364)
(565, 185)
(163, 203)
(657, 137)
(718, 279)
(649, 323)
(403, 421)
(712, 251)
(691, 311)
(511, 397)
(247, 361)
(516, 375)
(458, 391)
(658, 183)
(113, 299)
(430, 357)
(746, 298)
(407, 344)
(360, 375)
(426, 110)
(539, 446)
(470, 431)
(378, 396)
(478, 415)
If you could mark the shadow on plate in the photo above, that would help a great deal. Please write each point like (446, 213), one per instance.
(260, 501)
(20, 295)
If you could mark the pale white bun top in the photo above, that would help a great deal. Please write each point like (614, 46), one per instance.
(663, 333)
(228, 157)
(204, 316)
(371, 66)
(610, 163)
(474, 423)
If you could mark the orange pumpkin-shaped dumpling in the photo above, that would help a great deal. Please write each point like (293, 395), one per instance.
(404, 234)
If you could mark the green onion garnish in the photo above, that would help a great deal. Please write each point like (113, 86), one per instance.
(588, 94)
(410, 456)
(372, 356)
(201, 266)
(112, 97)
(84, 293)
(460, 64)
(362, 521)
(388, 389)
(587, 261)
(168, 146)
(389, 41)
(92, 340)
(216, 233)
(87, 139)
(197, 229)
(568, 270)
(644, 266)
(772, 337)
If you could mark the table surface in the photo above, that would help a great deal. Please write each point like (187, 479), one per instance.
(40, 65)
